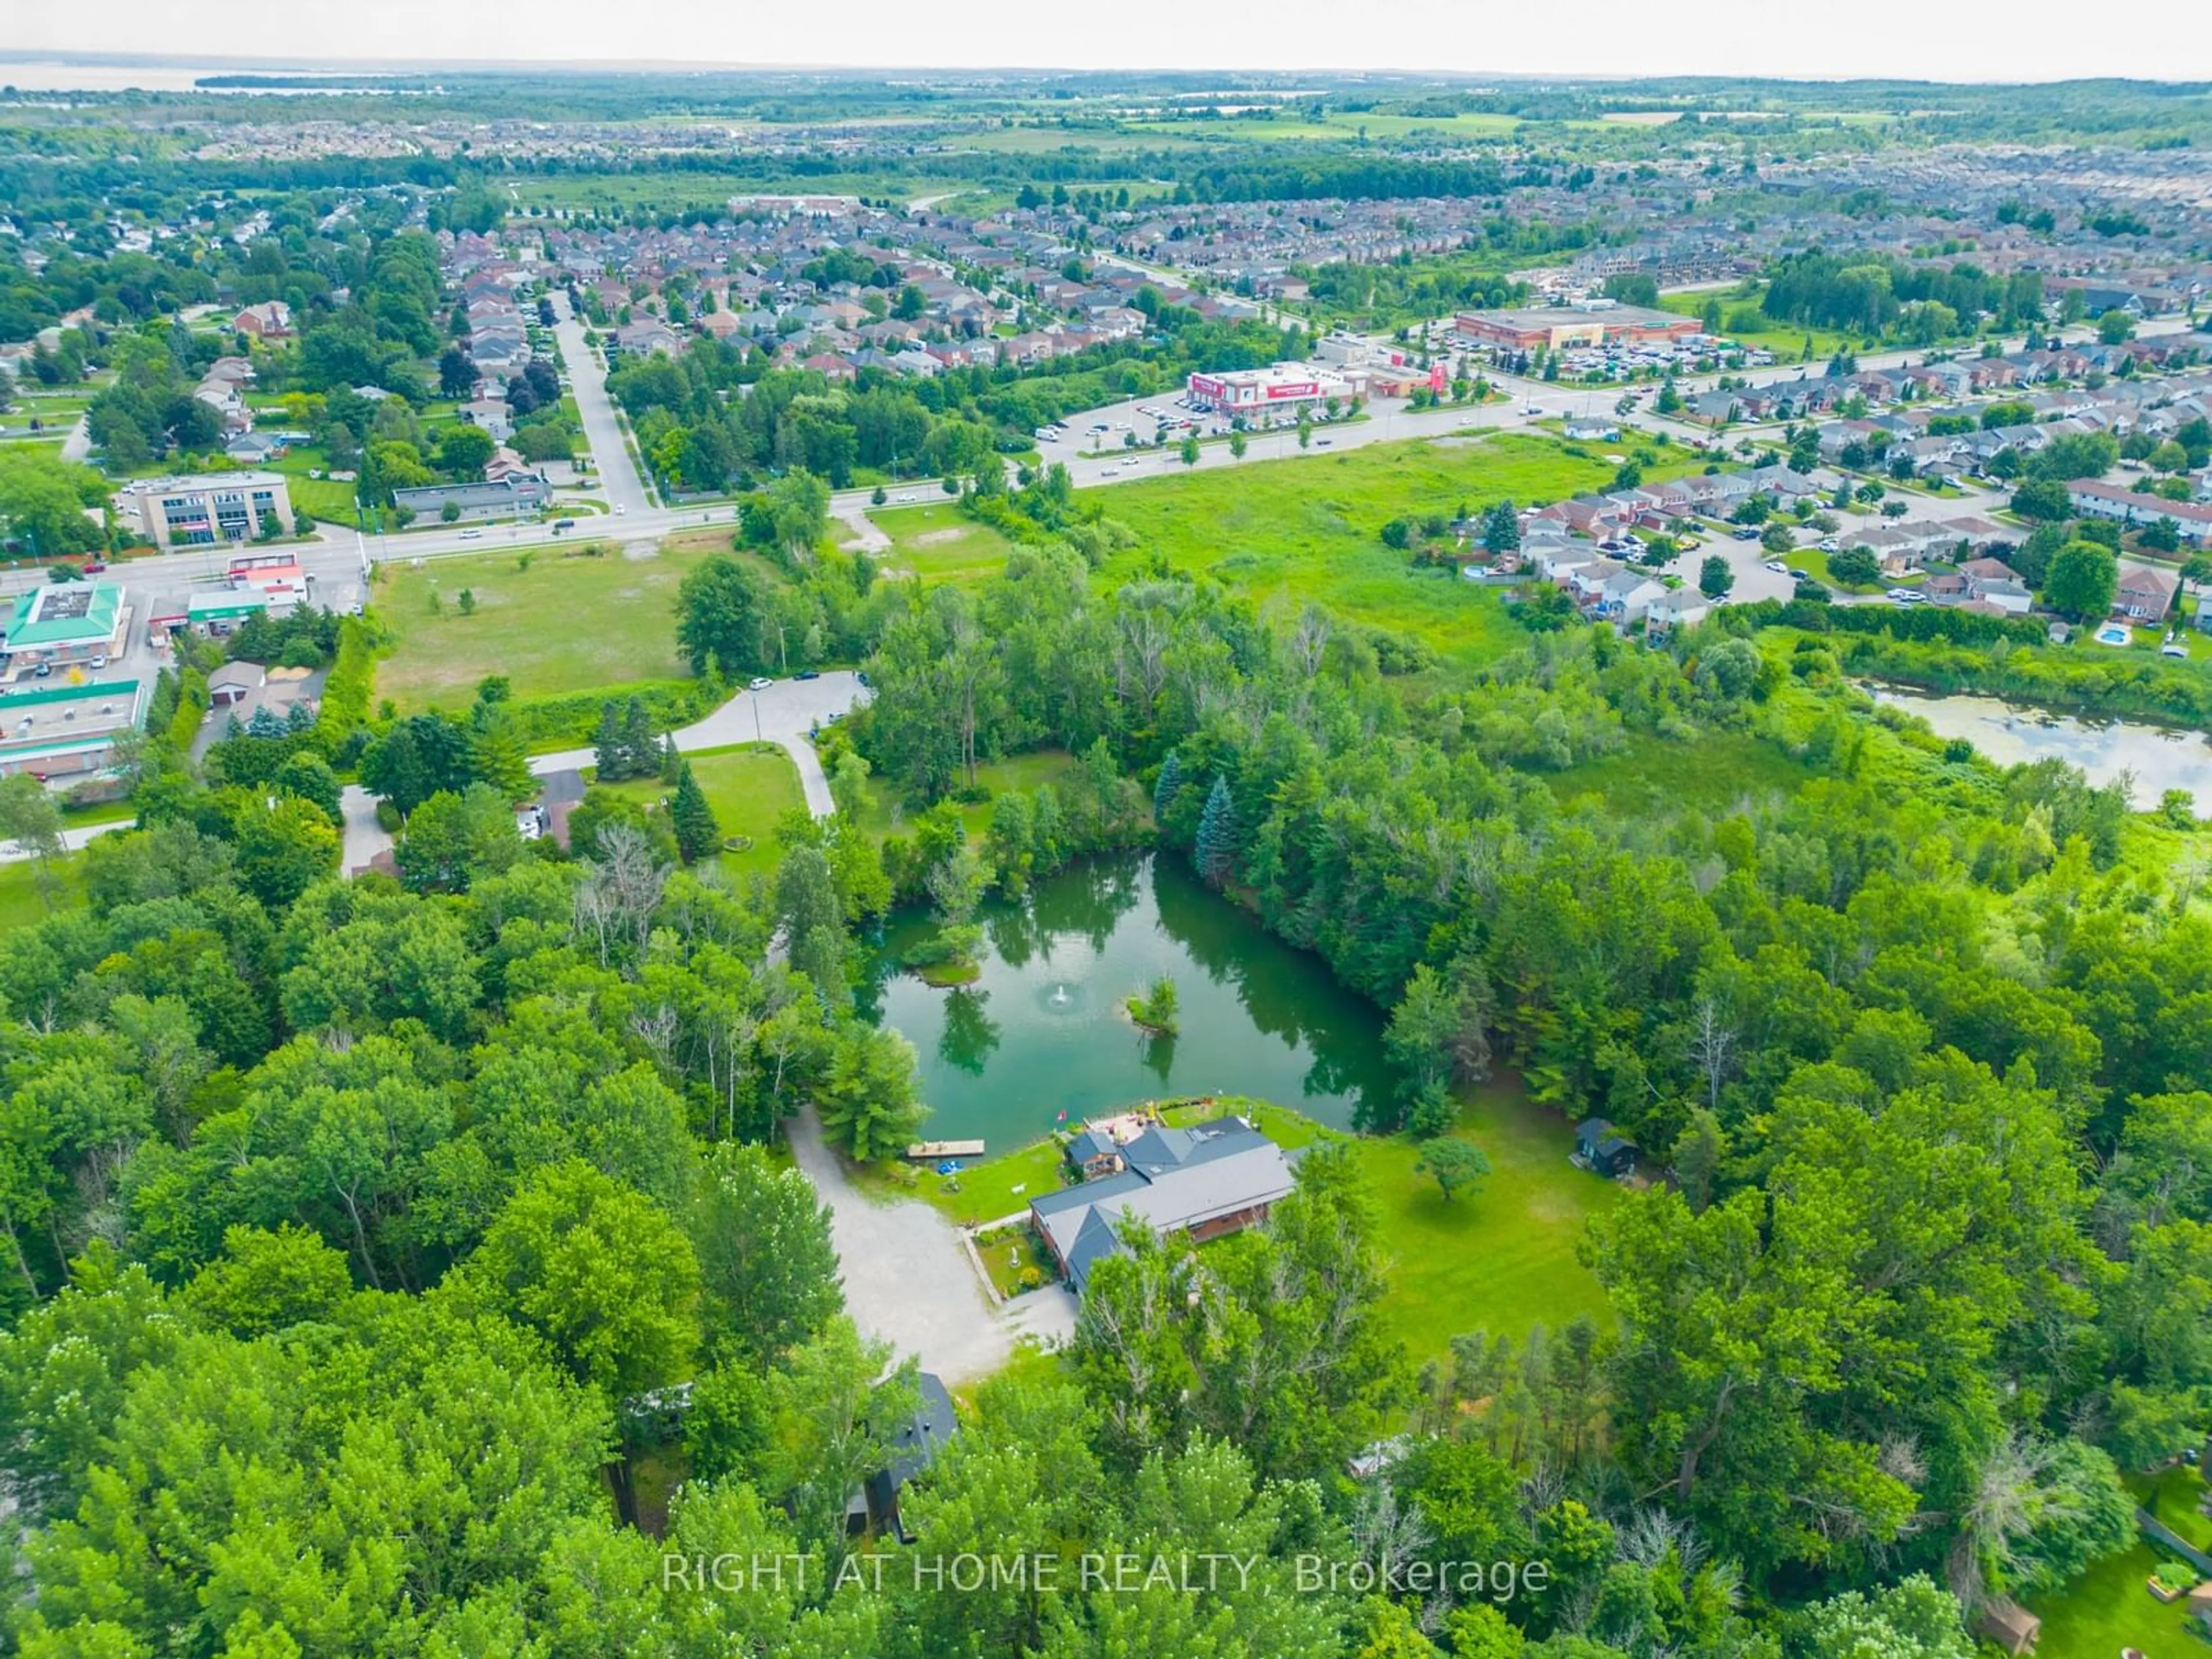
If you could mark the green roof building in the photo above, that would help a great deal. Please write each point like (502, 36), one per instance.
(66, 615)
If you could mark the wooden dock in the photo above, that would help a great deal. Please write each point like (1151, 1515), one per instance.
(923, 1151)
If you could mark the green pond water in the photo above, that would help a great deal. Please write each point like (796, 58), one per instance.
(1042, 1030)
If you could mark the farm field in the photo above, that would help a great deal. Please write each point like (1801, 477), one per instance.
(1309, 528)
(568, 622)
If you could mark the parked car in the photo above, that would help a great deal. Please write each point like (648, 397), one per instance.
(93, 567)
(1906, 596)
(808, 674)
(1778, 567)
(44, 670)
(759, 683)
(100, 659)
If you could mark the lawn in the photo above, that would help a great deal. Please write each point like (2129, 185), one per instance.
(2172, 1496)
(21, 905)
(570, 622)
(883, 815)
(1652, 775)
(1309, 528)
(2110, 1607)
(750, 787)
(1500, 1258)
(938, 540)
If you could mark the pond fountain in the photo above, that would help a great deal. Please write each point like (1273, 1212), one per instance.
(1043, 1030)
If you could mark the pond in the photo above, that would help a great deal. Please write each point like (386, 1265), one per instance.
(2158, 759)
(1043, 1030)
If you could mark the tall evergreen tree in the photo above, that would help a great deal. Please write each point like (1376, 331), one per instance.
(607, 743)
(1217, 833)
(1170, 780)
(697, 834)
(1501, 529)
(640, 743)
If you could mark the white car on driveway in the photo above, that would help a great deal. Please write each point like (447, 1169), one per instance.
(759, 683)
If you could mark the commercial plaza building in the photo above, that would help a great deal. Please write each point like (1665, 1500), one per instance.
(211, 507)
(1284, 389)
(65, 623)
(1557, 327)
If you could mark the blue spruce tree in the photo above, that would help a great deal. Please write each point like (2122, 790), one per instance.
(1217, 833)
(1164, 792)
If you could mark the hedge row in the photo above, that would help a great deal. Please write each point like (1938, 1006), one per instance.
(346, 690)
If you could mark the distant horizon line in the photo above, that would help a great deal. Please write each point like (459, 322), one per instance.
(318, 63)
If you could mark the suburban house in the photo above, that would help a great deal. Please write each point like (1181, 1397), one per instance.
(2191, 519)
(875, 1506)
(1207, 1180)
(1602, 1151)
(269, 320)
(2144, 595)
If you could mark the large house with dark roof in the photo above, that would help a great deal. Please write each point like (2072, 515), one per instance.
(1213, 1179)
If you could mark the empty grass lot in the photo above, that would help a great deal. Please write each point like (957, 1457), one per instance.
(1309, 528)
(1649, 775)
(938, 541)
(568, 623)
(748, 786)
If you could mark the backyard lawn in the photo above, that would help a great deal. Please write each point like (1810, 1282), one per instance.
(568, 622)
(1309, 528)
(2172, 1495)
(750, 787)
(2110, 1607)
(938, 540)
(1500, 1258)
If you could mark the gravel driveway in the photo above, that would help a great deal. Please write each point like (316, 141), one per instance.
(908, 1279)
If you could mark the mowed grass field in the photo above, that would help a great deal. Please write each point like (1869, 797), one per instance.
(1502, 1257)
(568, 622)
(938, 541)
(1309, 528)
(750, 788)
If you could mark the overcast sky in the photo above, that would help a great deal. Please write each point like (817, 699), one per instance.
(1921, 40)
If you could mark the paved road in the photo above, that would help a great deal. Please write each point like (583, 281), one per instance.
(619, 484)
(909, 1282)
